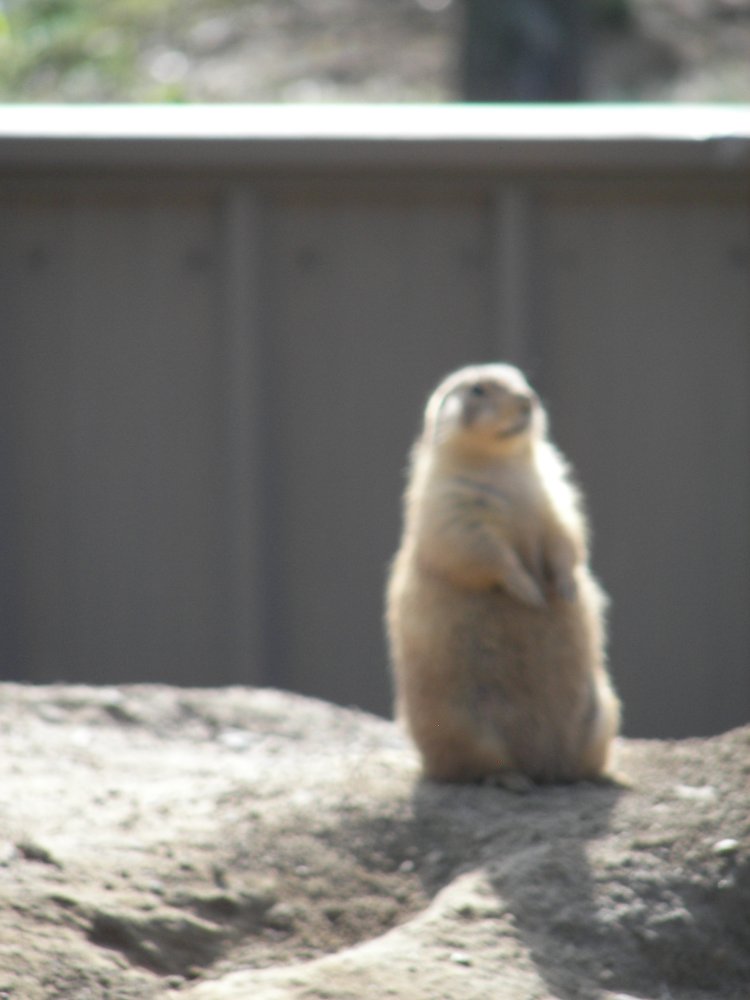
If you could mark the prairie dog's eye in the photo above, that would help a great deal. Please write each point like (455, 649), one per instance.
(478, 389)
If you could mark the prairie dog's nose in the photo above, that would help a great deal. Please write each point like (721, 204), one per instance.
(524, 404)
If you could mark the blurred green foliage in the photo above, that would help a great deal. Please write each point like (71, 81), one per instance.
(68, 50)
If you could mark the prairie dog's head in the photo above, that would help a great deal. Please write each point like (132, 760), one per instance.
(490, 408)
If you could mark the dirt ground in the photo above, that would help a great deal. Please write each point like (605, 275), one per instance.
(227, 844)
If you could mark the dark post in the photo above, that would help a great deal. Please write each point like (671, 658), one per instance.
(523, 50)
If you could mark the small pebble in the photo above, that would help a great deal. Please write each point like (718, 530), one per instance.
(696, 793)
(281, 917)
(7, 852)
(460, 958)
(81, 737)
(235, 739)
(726, 846)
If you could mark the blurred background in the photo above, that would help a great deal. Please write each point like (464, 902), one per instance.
(214, 354)
(357, 50)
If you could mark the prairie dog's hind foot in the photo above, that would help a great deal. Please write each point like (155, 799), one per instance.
(510, 781)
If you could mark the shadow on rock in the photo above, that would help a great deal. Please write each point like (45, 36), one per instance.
(534, 852)
(596, 910)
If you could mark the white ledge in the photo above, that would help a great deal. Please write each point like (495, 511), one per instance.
(542, 136)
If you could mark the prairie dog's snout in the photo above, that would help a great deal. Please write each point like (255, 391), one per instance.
(508, 411)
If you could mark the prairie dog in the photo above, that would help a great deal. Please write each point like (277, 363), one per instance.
(495, 623)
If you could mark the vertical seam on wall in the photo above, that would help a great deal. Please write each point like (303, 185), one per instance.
(241, 234)
(511, 243)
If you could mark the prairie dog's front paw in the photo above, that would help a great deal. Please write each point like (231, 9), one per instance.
(564, 585)
(517, 580)
(525, 589)
(560, 562)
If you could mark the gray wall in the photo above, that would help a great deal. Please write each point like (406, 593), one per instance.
(211, 375)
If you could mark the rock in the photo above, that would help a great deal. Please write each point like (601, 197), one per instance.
(307, 858)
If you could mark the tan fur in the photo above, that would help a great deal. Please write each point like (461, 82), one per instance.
(494, 620)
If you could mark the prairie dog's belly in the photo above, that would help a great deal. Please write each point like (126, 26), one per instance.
(495, 687)
(486, 637)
